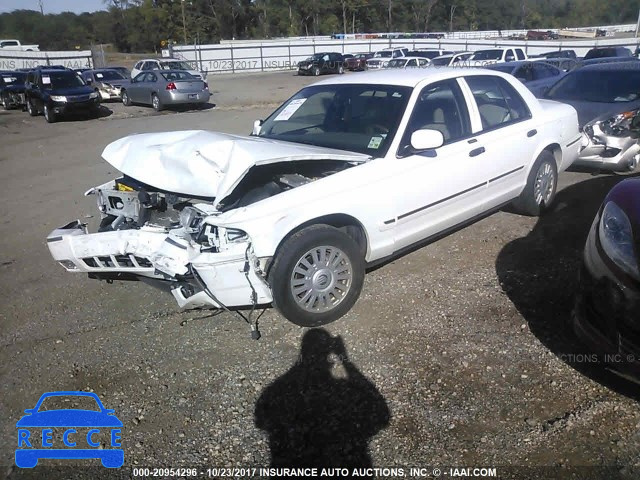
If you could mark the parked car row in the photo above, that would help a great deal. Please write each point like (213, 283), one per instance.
(56, 91)
(565, 60)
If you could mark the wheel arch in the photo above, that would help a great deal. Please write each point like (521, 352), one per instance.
(342, 221)
(556, 150)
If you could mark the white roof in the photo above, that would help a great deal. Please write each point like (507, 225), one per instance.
(408, 77)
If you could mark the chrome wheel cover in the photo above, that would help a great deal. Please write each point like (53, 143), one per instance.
(156, 102)
(544, 184)
(321, 279)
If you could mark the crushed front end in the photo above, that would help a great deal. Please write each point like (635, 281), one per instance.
(168, 241)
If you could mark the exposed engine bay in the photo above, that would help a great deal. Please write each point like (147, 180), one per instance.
(127, 203)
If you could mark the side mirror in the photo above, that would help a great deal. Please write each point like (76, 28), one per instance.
(257, 126)
(426, 139)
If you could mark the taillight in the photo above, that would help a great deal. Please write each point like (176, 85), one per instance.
(171, 86)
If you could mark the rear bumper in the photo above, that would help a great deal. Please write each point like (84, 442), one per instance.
(155, 255)
(176, 98)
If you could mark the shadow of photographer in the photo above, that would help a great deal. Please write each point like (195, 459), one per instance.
(323, 411)
(539, 273)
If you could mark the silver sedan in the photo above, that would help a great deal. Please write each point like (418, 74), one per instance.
(168, 87)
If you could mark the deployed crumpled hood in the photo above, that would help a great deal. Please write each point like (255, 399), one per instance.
(206, 164)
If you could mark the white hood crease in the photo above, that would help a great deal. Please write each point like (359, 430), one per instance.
(206, 164)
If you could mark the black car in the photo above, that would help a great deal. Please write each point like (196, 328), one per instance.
(556, 54)
(607, 310)
(12, 89)
(319, 63)
(57, 92)
(601, 52)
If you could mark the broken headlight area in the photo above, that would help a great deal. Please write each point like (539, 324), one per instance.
(619, 125)
(216, 239)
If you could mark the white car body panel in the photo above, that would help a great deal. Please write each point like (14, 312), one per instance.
(205, 164)
(397, 200)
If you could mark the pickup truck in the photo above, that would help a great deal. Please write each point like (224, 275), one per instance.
(16, 45)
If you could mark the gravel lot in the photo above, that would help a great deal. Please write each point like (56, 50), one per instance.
(454, 356)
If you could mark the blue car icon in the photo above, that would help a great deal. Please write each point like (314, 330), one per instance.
(72, 433)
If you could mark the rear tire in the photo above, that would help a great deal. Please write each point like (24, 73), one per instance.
(5, 102)
(540, 191)
(156, 103)
(49, 115)
(340, 70)
(317, 275)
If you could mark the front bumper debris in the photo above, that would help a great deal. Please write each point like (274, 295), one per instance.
(165, 259)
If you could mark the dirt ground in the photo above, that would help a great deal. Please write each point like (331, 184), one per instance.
(454, 356)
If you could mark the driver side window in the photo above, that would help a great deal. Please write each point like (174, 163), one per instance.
(441, 106)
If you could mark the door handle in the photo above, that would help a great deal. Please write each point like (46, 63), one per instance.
(531, 133)
(476, 151)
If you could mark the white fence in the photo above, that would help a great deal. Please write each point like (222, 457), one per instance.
(13, 59)
(285, 54)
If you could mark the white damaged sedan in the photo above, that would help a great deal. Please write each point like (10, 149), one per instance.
(345, 174)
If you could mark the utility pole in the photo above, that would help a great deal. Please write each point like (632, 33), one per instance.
(41, 7)
(453, 9)
(638, 24)
(184, 24)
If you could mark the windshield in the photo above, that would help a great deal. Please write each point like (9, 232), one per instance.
(176, 66)
(357, 118)
(441, 62)
(396, 63)
(501, 68)
(108, 75)
(12, 78)
(488, 55)
(426, 54)
(61, 79)
(598, 86)
(383, 54)
(173, 76)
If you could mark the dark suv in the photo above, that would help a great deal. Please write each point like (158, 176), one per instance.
(319, 63)
(57, 92)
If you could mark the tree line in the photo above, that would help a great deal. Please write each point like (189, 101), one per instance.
(145, 25)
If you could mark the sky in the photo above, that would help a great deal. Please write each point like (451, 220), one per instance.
(53, 6)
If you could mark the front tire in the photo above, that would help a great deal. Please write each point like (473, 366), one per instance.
(126, 100)
(317, 275)
(316, 71)
(31, 108)
(49, 115)
(540, 191)
(5, 102)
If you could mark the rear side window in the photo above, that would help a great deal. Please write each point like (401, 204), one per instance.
(498, 102)
(519, 54)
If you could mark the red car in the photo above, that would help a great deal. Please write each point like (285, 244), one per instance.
(358, 61)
